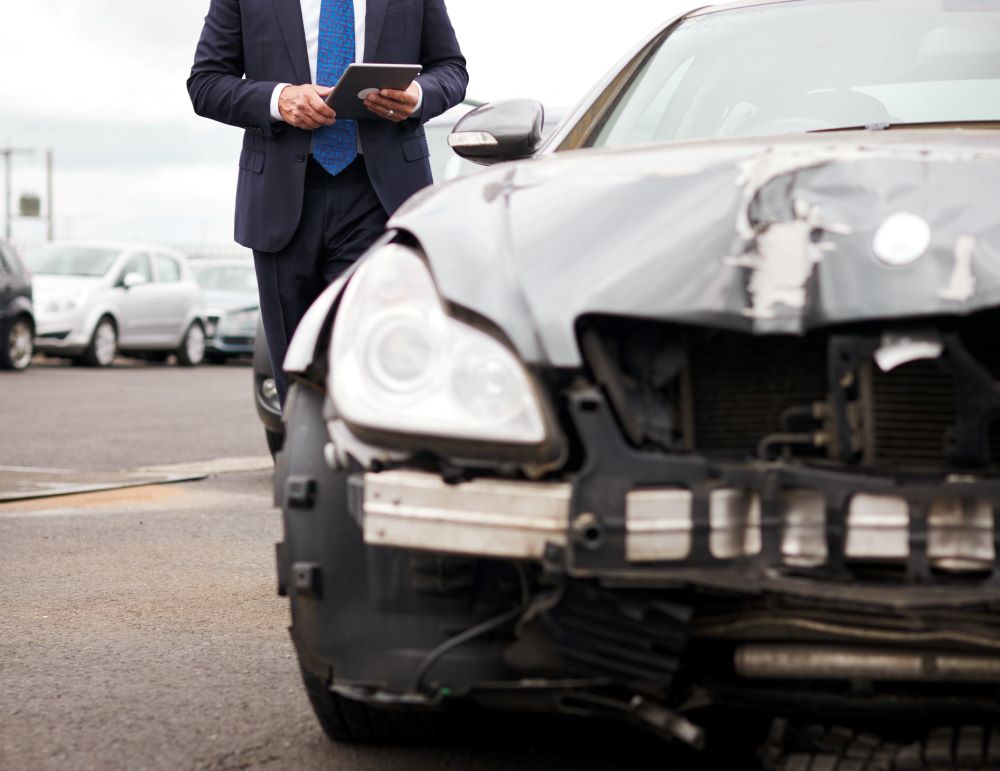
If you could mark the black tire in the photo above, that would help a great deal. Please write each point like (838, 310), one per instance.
(16, 344)
(191, 352)
(353, 722)
(966, 748)
(275, 441)
(103, 345)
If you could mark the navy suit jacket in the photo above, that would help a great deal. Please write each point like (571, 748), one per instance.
(248, 47)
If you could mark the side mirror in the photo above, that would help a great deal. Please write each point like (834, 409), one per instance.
(134, 279)
(505, 131)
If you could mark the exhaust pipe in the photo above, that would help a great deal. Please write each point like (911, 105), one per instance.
(794, 662)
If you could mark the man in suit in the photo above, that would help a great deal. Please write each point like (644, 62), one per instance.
(313, 192)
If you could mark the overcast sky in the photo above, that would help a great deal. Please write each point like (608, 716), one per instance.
(102, 82)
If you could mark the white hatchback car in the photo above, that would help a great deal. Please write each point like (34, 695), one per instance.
(96, 300)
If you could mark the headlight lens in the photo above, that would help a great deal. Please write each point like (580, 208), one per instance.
(59, 305)
(400, 364)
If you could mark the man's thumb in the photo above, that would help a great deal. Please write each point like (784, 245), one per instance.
(324, 90)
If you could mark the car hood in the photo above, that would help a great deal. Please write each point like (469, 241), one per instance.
(46, 285)
(228, 300)
(770, 236)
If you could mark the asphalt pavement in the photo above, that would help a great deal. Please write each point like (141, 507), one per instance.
(140, 627)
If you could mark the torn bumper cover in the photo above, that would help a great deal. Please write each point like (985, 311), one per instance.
(773, 517)
(522, 520)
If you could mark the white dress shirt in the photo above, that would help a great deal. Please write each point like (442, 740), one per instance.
(310, 22)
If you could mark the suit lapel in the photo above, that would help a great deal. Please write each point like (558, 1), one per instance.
(290, 20)
(374, 20)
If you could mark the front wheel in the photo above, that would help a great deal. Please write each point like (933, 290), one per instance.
(103, 345)
(192, 350)
(18, 345)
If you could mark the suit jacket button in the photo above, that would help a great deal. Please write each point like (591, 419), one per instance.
(301, 158)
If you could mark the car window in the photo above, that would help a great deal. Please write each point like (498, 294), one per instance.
(138, 263)
(67, 260)
(790, 68)
(234, 278)
(167, 268)
(13, 259)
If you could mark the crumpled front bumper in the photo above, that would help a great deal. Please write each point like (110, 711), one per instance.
(522, 520)
(629, 514)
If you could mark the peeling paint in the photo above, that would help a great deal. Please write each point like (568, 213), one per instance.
(962, 286)
(783, 257)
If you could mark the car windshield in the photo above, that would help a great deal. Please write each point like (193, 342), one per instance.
(233, 278)
(796, 67)
(61, 260)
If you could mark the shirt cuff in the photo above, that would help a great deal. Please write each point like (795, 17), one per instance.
(275, 112)
(420, 100)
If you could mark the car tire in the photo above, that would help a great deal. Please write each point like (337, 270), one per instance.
(17, 344)
(192, 349)
(103, 346)
(967, 748)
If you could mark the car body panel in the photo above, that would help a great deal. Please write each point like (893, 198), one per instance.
(151, 316)
(595, 249)
(232, 306)
(16, 291)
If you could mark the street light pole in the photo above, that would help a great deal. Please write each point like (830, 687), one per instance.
(48, 194)
(8, 152)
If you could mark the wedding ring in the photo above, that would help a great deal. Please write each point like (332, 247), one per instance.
(390, 113)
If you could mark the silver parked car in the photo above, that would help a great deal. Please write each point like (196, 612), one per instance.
(96, 300)
(232, 307)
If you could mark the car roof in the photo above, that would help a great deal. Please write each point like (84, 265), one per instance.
(221, 262)
(118, 246)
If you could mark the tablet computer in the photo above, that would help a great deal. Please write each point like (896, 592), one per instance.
(360, 80)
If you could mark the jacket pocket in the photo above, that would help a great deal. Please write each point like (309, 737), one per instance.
(415, 148)
(399, 5)
(251, 160)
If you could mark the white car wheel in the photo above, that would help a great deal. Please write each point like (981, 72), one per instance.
(19, 346)
(103, 344)
(192, 350)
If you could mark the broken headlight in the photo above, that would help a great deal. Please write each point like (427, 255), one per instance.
(400, 365)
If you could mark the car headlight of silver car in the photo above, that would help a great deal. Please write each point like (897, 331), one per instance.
(400, 365)
(59, 305)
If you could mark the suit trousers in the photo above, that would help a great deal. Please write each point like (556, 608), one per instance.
(341, 218)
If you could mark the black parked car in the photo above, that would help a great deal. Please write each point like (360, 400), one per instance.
(694, 409)
(17, 318)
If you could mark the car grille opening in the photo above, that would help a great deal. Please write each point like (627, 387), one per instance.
(742, 396)
(913, 411)
(741, 386)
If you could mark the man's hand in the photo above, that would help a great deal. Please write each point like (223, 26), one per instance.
(395, 106)
(304, 107)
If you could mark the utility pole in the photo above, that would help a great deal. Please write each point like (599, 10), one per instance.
(8, 152)
(48, 195)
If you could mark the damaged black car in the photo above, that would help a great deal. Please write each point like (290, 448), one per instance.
(691, 410)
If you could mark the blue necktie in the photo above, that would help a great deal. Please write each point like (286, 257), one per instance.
(335, 147)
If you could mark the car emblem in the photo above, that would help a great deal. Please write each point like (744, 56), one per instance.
(902, 239)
